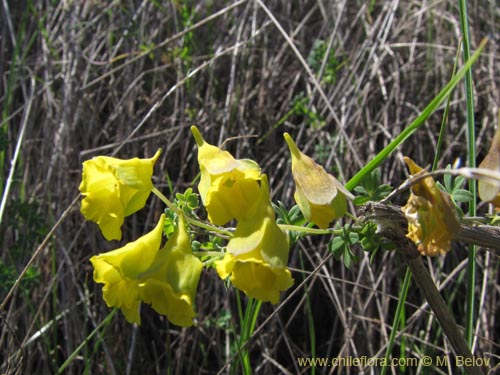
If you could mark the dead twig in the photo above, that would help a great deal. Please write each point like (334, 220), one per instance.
(393, 225)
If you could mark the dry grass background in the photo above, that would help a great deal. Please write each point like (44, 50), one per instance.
(82, 78)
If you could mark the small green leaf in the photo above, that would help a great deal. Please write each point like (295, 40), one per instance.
(361, 190)
(195, 245)
(349, 257)
(170, 223)
(360, 200)
(336, 244)
(353, 238)
(459, 182)
(371, 188)
(462, 195)
(448, 181)
(340, 246)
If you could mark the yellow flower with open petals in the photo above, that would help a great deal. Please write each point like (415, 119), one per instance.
(171, 282)
(228, 186)
(113, 189)
(257, 255)
(120, 271)
(320, 196)
(432, 220)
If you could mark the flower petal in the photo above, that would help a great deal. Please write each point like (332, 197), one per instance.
(211, 158)
(170, 284)
(178, 308)
(227, 187)
(113, 189)
(257, 254)
(135, 257)
(259, 280)
(101, 203)
(119, 269)
(231, 195)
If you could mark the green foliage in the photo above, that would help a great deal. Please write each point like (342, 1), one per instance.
(341, 245)
(25, 217)
(21, 217)
(371, 241)
(215, 244)
(371, 188)
(170, 224)
(292, 217)
(188, 45)
(300, 107)
(365, 236)
(220, 321)
(332, 66)
(9, 274)
(453, 186)
(188, 202)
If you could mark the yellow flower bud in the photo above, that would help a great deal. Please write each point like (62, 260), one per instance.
(228, 186)
(432, 220)
(257, 255)
(320, 196)
(113, 189)
(119, 270)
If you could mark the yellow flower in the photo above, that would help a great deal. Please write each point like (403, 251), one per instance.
(432, 220)
(120, 271)
(228, 186)
(113, 189)
(488, 190)
(171, 282)
(165, 278)
(320, 196)
(257, 255)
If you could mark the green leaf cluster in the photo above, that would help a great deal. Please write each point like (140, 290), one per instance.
(340, 245)
(453, 186)
(333, 63)
(300, 107)
(188, 202)
(371, 188)
(365, 236)
(293, 216)
(9, 274)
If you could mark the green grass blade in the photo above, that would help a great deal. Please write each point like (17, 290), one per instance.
(248, 320)
(397, 317)
(310, 318)
(72, 356)
(445, 116)
(471, 150)
(418, 122)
